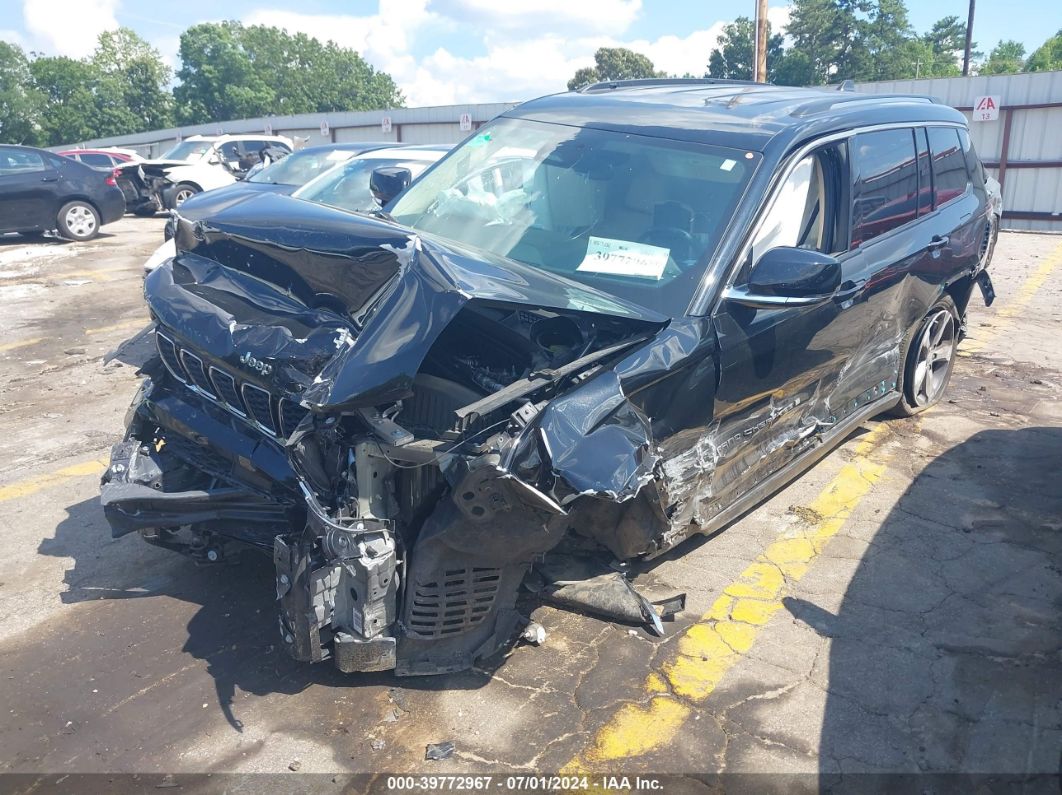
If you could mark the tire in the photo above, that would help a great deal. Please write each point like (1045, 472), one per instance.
(78, 220)
(146, 212)
(183, 192)
(928, 353)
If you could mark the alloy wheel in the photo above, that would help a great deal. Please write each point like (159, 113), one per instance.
(936, 348)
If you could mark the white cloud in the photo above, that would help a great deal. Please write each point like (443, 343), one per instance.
(68, 27)
(533, 47)
(383, 39)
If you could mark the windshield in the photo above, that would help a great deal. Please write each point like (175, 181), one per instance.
(347, 186)
(300, 167)
(632, 215)
(188, 150)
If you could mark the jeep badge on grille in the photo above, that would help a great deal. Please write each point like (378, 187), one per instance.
(255, 364)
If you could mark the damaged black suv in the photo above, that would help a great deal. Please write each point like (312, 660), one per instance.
(608, 321)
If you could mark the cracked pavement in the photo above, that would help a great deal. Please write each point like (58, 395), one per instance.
(924, 636)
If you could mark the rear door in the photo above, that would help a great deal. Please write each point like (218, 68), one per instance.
(28, 185)
(896, 237)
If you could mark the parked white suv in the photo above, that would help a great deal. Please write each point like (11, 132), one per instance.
(198, 163)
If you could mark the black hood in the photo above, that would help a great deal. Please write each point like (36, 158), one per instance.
(344, 306)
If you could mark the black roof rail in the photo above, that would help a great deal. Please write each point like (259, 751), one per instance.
(649, 82)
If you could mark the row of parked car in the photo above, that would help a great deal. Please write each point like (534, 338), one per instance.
(76, 192)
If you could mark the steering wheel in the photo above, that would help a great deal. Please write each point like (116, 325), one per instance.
(678, 241)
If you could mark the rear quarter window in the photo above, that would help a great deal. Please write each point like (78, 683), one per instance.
(949, 165)
(885, 192)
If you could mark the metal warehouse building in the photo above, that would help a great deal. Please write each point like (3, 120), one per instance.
(1017, 131)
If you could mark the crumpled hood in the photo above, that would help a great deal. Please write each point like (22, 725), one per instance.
(343, 306)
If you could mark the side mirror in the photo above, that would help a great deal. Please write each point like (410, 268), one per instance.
(787, 276)
(386, 183)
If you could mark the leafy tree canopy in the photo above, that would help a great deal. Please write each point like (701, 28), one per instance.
(614, 63)
(1047, 57)
(230, 71)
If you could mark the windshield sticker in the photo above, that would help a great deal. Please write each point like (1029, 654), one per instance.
(623, 258)
(728, 165)
(479, 140)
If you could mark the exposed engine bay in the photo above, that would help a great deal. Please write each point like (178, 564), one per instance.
(401, 525)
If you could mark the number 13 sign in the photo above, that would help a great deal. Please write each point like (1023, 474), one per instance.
(986, 108)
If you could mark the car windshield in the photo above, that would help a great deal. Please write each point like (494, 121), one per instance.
(187, 150)
(300, 167)
(347, 186)
(635, 216)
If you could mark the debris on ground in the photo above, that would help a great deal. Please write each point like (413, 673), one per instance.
(377, 745)
(437, 751)
(295, 766)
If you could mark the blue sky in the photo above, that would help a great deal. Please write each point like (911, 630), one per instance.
(446, 51)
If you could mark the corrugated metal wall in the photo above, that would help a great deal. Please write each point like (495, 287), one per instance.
(434, 125)
(1031, 166)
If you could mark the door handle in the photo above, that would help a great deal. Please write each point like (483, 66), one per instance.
(848, 290)
(50, 179)
(938, 241)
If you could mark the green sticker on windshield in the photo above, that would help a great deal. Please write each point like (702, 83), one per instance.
(479, 140)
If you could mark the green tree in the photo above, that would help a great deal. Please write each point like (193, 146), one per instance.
(229, 71)
(829, 33)
(1047, 57)
(884, 51)
(69, 111)
(20, 102)
(133, 78)
(614, 63)
(1006, 58)
(733, 58)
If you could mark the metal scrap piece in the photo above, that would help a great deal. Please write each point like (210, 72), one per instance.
(435, 751)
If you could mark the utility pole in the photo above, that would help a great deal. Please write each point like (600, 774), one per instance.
(969, 42)
(759, 72)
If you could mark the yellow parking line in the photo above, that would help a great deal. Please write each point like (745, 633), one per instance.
(1018, 304)
(711, 647)
(125, 324)
(10, 346)
(24, 488)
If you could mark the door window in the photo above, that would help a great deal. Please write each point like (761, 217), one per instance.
(949, 165)
(20, 161)
(96, 159)
(886, 183)
(807, 210)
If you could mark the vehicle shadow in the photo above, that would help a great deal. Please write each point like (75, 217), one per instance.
(944, 652)
(234, 628)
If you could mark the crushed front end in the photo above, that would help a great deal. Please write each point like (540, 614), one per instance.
(379, 417)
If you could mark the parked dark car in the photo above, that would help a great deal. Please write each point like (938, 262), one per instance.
(608, 321)
(41, 191)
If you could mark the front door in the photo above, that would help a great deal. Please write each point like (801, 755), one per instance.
(781, 368)
(27, 190)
